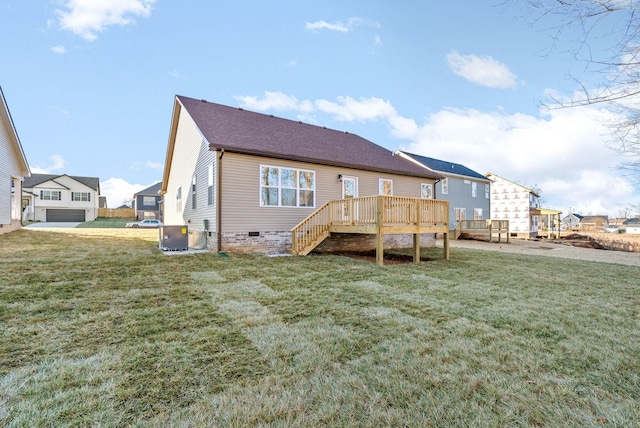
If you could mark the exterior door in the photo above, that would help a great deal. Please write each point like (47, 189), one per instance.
(349, 191)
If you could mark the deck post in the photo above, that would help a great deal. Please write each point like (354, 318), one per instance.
(491, 232)
(446, 245)
(416, 248)
(379, 222)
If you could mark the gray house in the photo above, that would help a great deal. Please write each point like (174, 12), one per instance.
(467, 191)
(147, 202)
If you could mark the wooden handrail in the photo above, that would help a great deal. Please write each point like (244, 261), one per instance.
(377, 211)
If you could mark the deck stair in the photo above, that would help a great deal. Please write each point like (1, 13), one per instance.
(379, 215)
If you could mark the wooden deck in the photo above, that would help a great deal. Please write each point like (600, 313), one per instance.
(379, 215)
(487, 228)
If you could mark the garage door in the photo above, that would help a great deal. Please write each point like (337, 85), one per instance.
(65, 215)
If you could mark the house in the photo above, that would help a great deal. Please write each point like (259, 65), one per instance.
(467, 191)
(571, 221)
(632, 226)
(246, 179)
(516, 203)
(147, 202)
(594, 223)
(60, 198)
(102, 202)
(13, 169)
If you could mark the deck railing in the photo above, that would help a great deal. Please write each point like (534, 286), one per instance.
(483, 227)
(364, 215)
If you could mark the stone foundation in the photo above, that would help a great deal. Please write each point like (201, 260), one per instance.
(6, 228)
(279, 242)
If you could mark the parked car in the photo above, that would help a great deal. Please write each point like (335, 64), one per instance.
(149, 223)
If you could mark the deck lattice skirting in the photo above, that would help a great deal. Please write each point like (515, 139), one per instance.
(379, 215)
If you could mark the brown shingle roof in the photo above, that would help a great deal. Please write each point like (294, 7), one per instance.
(241, 131)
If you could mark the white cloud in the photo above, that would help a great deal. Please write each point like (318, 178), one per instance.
(341, 27)
(483, 70)
(324, 25)
(59, 49)
(154, 165)
(57, 164)
(347, 109)
(562, 152)
(88, 17)
(118, 190)
(275, 101)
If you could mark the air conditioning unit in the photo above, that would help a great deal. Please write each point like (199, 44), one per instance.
(174, 238)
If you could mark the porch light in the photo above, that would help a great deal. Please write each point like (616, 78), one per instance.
(340, 177)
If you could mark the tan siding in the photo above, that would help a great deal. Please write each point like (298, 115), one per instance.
(241, 210)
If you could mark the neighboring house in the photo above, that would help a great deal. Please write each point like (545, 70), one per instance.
(102, 202)
(61, 198)
(516, 203)
(594, 223)
(632, 226)
(147, 202)
(13, 169)
(571, 221)
(467, 191)
(245, 179)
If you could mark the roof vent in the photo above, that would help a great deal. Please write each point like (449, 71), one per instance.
(299, 121)
(203, 100)
(346, 132)
(271, 115)
(240, 108)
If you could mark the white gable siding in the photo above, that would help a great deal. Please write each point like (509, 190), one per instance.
(8, 168)
(191, 156)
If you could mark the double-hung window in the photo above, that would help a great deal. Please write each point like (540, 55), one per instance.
(426, 191)
(81, 196)
(50, 195)
(149, 201)
(286, 187)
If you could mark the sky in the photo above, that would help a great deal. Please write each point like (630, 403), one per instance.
(90, 85)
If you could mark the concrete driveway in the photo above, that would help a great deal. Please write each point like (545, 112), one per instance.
(52, 225)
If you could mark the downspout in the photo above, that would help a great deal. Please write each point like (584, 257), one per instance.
(219, 200)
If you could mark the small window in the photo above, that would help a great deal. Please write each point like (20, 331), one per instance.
(445, 186)
(486, 191)
(477, 214)
(210, 186)
(149, 201)
(474, 189)
(426, 191)
(385, 187)
(179, 199)
(193, 193)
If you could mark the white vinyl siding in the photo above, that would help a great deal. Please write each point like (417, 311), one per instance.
(191, 158)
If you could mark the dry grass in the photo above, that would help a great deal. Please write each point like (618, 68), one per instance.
(100, 328)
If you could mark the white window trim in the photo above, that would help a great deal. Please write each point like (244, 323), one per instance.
(297, 188)
(429, 185)
(380, 181)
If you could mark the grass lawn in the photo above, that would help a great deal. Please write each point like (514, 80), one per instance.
(106, 222)
(103, 330)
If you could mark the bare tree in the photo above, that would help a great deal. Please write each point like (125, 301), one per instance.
(614, 24)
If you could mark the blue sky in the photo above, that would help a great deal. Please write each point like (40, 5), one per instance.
(90, 85)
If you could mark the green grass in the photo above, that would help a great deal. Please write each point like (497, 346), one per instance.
(108, 331)
(105, 223)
